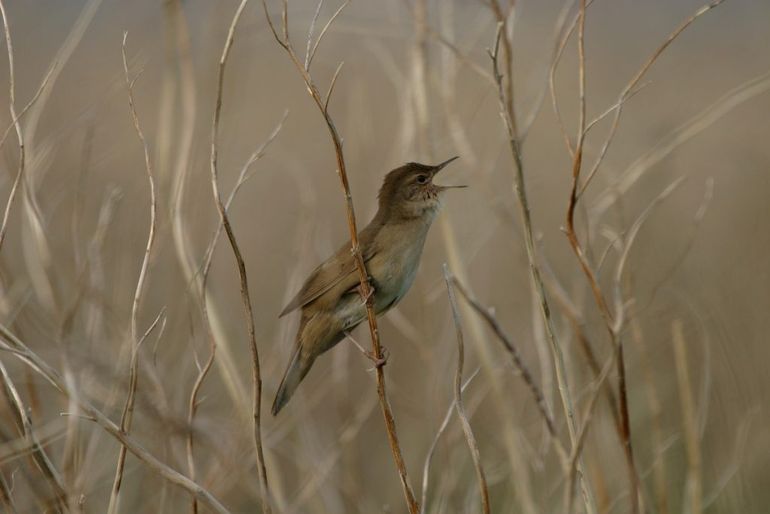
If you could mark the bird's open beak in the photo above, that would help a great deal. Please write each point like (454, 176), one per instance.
(440, 167)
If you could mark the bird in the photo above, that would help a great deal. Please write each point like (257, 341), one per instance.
(391, 246)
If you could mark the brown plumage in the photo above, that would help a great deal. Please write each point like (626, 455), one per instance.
(391, 246)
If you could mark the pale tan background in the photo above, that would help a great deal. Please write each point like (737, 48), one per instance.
(327, 451)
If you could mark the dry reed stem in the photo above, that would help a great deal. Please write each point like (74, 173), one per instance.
(689, 421)
(518, 362)
(39, 455)
(616, 348)
(613, 322)
(677, 137)
(6, 495)
(446, 84)
(535, 274)
(184, 252)
(245, 296)
(128, 408)
(41, 458)
(203, 371)
(627, 90)
(355, 250)
(429, 457)
(16, 125)
(459, 407)
(577, 163)
(18, 348)
(561, 22)
(560, 47)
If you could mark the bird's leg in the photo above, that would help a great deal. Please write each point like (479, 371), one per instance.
(378, 362)
(366, 296)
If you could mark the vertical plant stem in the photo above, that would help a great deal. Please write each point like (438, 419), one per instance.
(128, 408)
(535, 274)
(355, 250)
(460, 408)
(245, 296)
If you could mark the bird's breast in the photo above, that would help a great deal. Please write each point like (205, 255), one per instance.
(394, 270)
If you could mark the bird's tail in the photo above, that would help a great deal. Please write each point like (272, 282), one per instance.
(298, 367)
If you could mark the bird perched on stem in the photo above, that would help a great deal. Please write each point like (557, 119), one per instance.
(391, 246)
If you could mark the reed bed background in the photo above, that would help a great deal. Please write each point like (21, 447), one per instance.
(128, 366)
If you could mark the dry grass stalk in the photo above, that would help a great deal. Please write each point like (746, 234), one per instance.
(245, 296)
(136, 342)
(323, 106)
(15, 123)
(18, 348)
(616, 348)
(434, 444)
(459, 407)
(689, 421)
(39, 455)
(614, 322)
(534, 267)
(518, 362)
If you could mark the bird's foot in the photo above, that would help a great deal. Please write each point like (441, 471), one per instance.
(366, 296)
(379, 362)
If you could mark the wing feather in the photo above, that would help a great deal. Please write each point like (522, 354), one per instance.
(338, 268)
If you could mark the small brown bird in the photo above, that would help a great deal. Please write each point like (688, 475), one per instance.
(391, 246)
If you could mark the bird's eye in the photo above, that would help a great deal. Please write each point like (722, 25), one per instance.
(422, 179)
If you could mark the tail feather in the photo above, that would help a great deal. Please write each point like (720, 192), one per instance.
(295, 372)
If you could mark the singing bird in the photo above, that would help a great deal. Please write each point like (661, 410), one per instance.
(391, 246)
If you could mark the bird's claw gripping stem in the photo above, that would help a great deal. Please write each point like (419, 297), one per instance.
(382, 360)
(368, 295)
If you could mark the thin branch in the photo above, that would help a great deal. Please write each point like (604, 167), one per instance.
(204, 369)
(26, 355)
(579, 252)
(355, 249)
(617, 346)
(677, 137)
(245, 296)
(561, 22)
(689, 421)
(635, 80)
(511, 348)
(41, 458)
(128, 409)
(309, 60)
(434, 445)
(534, 268)
(459, 407)
(16, 125)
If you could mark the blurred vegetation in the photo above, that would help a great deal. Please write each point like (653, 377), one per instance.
(416, 86)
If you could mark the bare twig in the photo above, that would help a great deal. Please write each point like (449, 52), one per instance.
(635, 80)
(185, 255)
(617, 344)
(205, 267)
(689, 421)
(40, 456)
(434, 445)
(18, 348)
(511, 348)
(677, 137)
(136, 341)
(245, 296)
(459, 407)
(16, 125)
(355, 249)
(534, 268)
(577, 162)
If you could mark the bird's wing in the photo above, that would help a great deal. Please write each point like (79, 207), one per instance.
(339, 268)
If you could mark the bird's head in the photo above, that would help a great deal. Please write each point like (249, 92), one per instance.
(409, 191)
